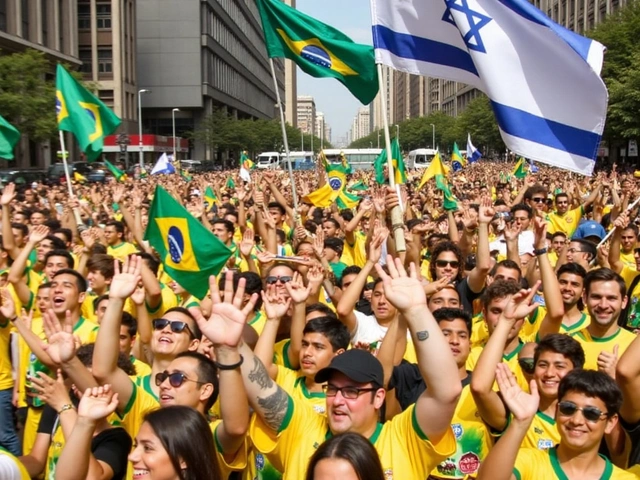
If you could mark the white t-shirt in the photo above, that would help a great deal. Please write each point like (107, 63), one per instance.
(369, 331)
(525, 243)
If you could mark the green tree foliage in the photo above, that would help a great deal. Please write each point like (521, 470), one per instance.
(27, 94)
(224, 132)
(620, 33)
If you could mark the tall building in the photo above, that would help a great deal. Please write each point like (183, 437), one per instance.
(199, 56)
(291, 85)
(107, 49)
(379, 107)
(307, 116)
(361, 126)
(319, 126)
(47, 26)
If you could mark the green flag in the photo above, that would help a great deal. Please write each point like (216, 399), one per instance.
(185, 175)
(358, 187)
(115, 171)
(9, 136)
(189, 252)
(210, 198)
(521, 169)
(318, 49)
(449, 202)
(230, 183)
(399, 170)
(83, 114)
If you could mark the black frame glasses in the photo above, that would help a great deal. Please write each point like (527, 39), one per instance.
(271, 279)
(348, 392)
(444, 263)
(590, 414)
(176, 379)
(175, 325)
(539, 200)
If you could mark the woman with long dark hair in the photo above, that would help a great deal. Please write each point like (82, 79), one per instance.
(174, 443)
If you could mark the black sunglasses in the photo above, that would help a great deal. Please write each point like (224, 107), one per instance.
(176, 379)
(176, 326)
(591, 414)
(539, 199)
(283, 279)
(527, 365)
(444, 263)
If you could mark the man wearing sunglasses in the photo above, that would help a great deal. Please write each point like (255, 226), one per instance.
(410, 445)
(587, 410)
(565, 220)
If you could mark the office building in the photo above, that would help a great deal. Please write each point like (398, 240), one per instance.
(307, 114)
(378, 106)
(202, 56)
(291, 86)
(361, 126)
(49, 27)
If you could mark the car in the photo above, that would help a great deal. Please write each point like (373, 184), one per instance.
(22, 178)
(191, 165)
(92, 171)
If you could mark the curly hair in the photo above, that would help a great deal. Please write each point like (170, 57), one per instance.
(445, 247)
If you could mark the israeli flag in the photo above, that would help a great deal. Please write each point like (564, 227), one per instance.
(542, 79)
(473, 154)
(163, 166)
(532, 167)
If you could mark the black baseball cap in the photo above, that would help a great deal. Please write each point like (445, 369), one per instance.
(359, 365)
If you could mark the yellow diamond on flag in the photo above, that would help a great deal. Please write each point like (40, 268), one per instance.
(175, 234)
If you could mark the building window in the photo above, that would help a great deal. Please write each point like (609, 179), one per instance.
(85, 57)
(45, 22)
(104, 15)
(3, 15)
(25, 19)
(105, 60)
(84, 16)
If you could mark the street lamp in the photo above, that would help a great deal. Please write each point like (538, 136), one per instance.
(140, 92)
(302, 140)
(378, 138)
(433, 136)
(173, 122)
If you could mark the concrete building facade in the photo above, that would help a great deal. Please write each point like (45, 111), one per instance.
(307, 115)
(199, 56)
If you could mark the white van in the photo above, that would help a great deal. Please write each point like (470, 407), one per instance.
(420, 158)
(269, 160)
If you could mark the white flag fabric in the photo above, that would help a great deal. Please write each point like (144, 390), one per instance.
(163, 166)
(244, 174)
(542, 79)
(473, 154)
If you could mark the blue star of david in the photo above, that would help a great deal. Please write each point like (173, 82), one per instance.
(476, 21)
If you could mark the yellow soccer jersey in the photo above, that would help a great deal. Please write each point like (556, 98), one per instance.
(628, 260)
(567, 223)
(405, 452)
(168, 301)
(281, 353)
(122, 250)
(239, 462)
(140, 403)
(142, 369)
(144, 382)
(592, 346)
(6, 376)
(479, 331)
(535, 465)
(473, 439)
(293, 383)
(511, 360)
(532, 324)
(258, 322)
(87, 309)
(542, 434)
(355, 254)
(633, 318)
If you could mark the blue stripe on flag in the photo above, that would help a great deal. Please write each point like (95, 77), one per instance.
(580, 44)
(533, 128)
(422, 49)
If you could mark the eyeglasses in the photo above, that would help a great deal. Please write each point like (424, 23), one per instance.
(176, 379)
(575, 250)
(176, 326)
(350, 393)
(284, 279)
(444, 263)
(527, 365)
(591, 414)
(539, 199)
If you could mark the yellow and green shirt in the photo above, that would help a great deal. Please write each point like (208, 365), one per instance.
(122, 250)
(592, 346)
(542, 434)
(567, 223)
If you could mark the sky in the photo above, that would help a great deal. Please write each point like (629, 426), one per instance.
(353, 18)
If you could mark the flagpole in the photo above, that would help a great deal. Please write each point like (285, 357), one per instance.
(396, 213)
(76, 213)
(284, 138)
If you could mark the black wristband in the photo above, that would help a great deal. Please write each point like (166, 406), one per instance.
(540, 251)
(229, 367)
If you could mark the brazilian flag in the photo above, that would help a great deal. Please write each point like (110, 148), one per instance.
(189, 252)
(319, 49)
(83, 114)
(115, 171)
(210, 198)
(9, 136)
(399, 170)
(521, 169)
(185, 176)
(457, 160)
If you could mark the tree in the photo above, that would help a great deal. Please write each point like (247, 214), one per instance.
(28, 93)
(479, 120)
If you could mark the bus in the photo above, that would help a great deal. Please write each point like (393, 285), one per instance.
(358, 158)
(299, 161)
(420, 158)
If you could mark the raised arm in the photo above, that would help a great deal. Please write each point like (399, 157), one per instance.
(8, 240)
(435, 407)
(478, 275)
(298, 294)
(19, 265)
(499, 464)
(628, 379)
(614, 249)
(275, 307)
(105, 353)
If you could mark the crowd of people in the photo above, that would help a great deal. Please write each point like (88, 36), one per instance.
(500, 343)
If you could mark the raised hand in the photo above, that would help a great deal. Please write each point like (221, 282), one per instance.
(8, 195)
(8, 308)
(540, 232)
(522, 405)
(318, 243)
(51, 391)
(265, 257)
(622, 221)
(486, 212)
(405, 292)
(88, 238)
(298, 293)
(379, 200)
(125, 282)
(247, 243)
(519, 305)
(97, 403)
(62, 344)
(469, 219)
(435, 286)
(228, 318)
(38, 234)
(138, 296)
(380, 234)
(511, 231)
(276, 304)
(118, 193)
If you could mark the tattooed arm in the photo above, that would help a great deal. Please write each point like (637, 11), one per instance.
(266, 397)
(435, 407)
